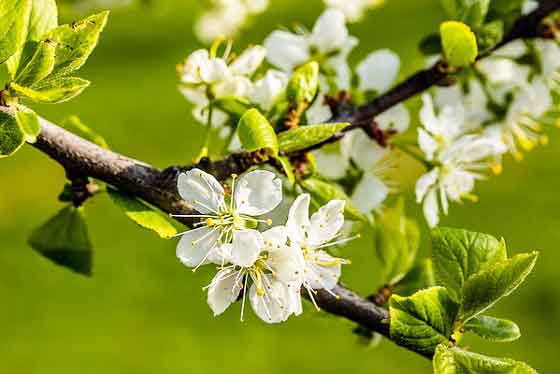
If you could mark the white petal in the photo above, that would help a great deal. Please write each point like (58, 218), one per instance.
(365, 152)
(275, 237)
(298, 219)
(427, 144)
(201, 190)
(224, 290)
(221, 255)
(247, 246)
(425, 182)
(286, 50)
(322, 271)
(397, 119)
(195, 246)
(330, 32)
(431, 210)
(326, 223)
(249, 61)
(236, 86)
(268, 89)
(331, 164)
(378, 71)
(215, 70)
(190, 71)
(257, 192)
(428, 115)
(370, 193)
(288, 264)
(272, 306)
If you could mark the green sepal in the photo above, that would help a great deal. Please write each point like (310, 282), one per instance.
(397, 239)
(422, 321)
(29, 122)
(453, 360)
(64, 240)
(52, 90)
(12, 136)
(304, 137)
(144, 215)
(255, 132)
(494, 329)
(459, 44)
(288, 169)
(322, 192)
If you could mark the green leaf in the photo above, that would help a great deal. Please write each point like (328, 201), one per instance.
(459, 44)
(419, 277)
(430, 45)
(304, 84)
(424, 320)
(76, 126)
(306, 136)
(490, 34)
(322, 192)
(456, 361)
(494, 329)
(459, 254)
(235, 107)
(44, 18)
(255, 132)
(52, 90)
(487, 287)
(12, 136)
(14, 20)
(64, 240)
(502, 7)
(397, 239)
(29, 122)
(76, 41)
(288, 169)
(40, 65)
(471, 12)
(143, 214)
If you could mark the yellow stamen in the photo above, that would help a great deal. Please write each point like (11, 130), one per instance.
(210, 222)
(269, 222)
(518, 156)
(470, 197)
(544, 140)
(497, 169)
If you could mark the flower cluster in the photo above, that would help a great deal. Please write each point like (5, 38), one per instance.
(227, 18)
(270, 267)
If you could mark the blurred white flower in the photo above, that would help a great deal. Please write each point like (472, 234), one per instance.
(225, 18)
(378, 71)
(267, 89)
(253, 194)
(458, 158)
(328, 39)
(353, 10)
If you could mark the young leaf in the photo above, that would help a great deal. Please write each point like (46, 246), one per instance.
(487, 287)
(76, 41)
(490, 34)
(459, 44)
(29, 122)
(52, 90)
(255, 132)
(306, 136)
(459, 254)
(494, 329)
(64, 240)
(12, 136)
(322, 192)
(14, 20)
(471, 12)
(76, 126)
(143, 214)
(456, 361)
(419, 277)
(397, 239)
(44, 18)
(39, 66)
(303, 84)
(424, 320)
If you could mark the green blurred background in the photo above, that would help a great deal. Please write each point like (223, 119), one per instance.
(143, 312)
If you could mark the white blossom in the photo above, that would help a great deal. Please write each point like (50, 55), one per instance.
(458, 158)
(353, 10)
(253, 194)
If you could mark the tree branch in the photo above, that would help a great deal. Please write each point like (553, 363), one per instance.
(158, 187)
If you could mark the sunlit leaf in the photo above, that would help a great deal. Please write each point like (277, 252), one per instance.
(12, 136)
(52, 90)
(459, 44)
(29, 123)
(494, 329)
(306, 136)
(255, 132)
